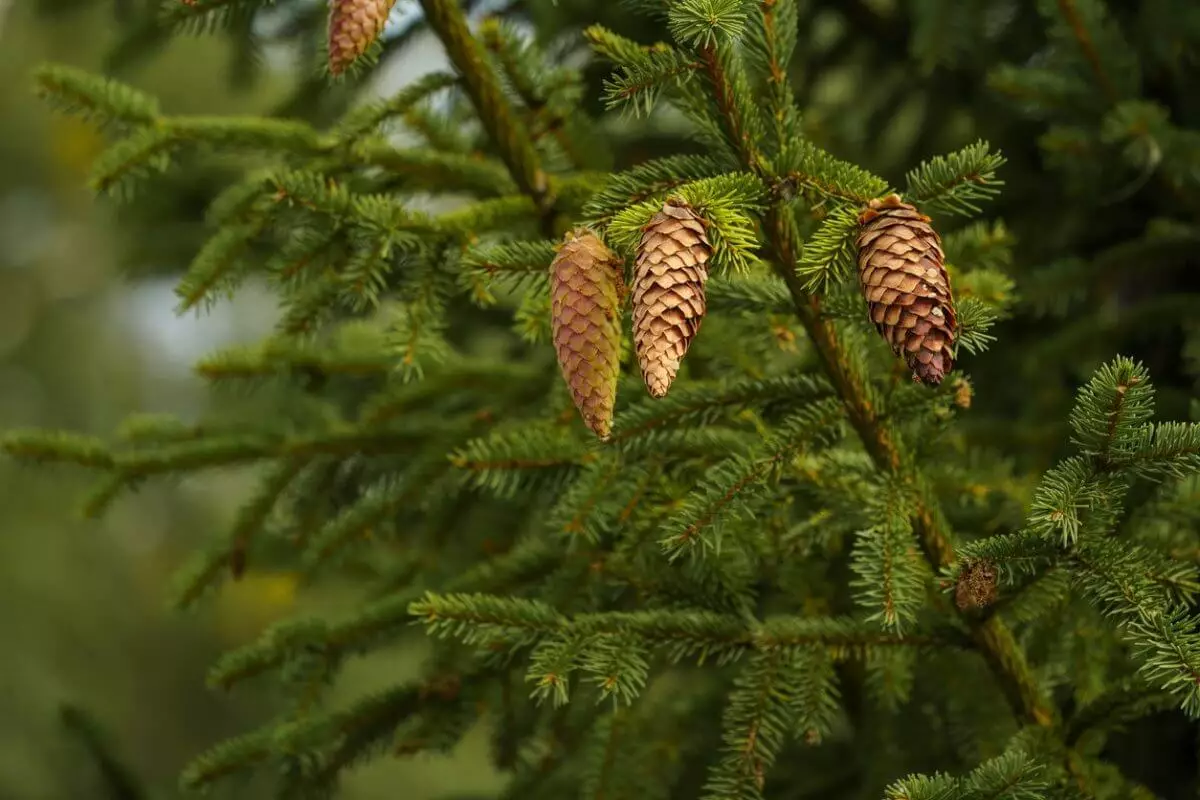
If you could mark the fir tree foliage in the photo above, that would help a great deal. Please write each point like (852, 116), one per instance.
(750, 573)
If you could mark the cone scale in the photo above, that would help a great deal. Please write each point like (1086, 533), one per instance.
(668, 292)
(585, 290)
(354, 25)
(903, 278)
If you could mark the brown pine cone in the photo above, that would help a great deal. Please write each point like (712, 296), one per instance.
(900, 268)
(585, 310)
(976, 585)
(353, 26)
(668, 292)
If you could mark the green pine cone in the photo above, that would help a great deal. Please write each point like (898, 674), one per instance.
(585, 316)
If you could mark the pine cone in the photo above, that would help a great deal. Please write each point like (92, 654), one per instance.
(668, 292)
(900, 267)
(585, 288)
(353, 26)
(976, 585)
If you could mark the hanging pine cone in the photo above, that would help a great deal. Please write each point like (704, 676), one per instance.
(668, 292)
(900, 268)
(353, 26)
(585, 288)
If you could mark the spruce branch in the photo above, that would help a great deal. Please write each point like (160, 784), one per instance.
(618, 49)
(516, 267)
(207, 16)
(613, 745)
(757, 295)
(216, 267)
(619, 668)
(1066, 497)
(432, 170)
(217, 451)
(702, 23)
(756, 724)
(975, 320)
(549, 94)
(640, 82)
(498, 118)
(106, 101)
(1168, 649)
(296, 644)
(496, 622)
(828, 255)
(377, 504)
(288, 357)
(701, 405)
(1111, 408)
(770, 42)
(1125, 703)
(120, 782)
(480, 619)
(1013, 775)
(730, 487)
(318, 748)
(981, 245)
(1086, 25)
(150, 149)
(650, 179)
(508, 461)
(550, 666)
(1015, 555)
(231, 554)
(43, 446)
(802, 166)
(994, 639)
(890, 580)
(1162, 451)
(367, 118)
(1122, 582)
(816, 700)
(956, 183)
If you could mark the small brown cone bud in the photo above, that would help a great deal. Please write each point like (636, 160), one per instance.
(668, 292)
(903, 277)
(353, 26)
(585, 288)
(963, 392)
(976, 585)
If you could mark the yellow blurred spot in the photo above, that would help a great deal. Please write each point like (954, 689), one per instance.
(245, 607)
(74, 145)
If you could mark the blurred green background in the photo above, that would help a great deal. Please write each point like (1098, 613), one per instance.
(84, 342)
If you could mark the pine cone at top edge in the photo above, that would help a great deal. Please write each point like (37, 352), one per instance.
(668, 292)
(353, 26)
(903, 277)
(585, 320)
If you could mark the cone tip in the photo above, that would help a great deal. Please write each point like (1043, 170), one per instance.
(931, 374)
(892, 200)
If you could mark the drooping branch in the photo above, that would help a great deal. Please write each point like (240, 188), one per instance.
(495, 112)
(992, 637)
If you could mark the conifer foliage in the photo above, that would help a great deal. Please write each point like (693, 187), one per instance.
(789, 576)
